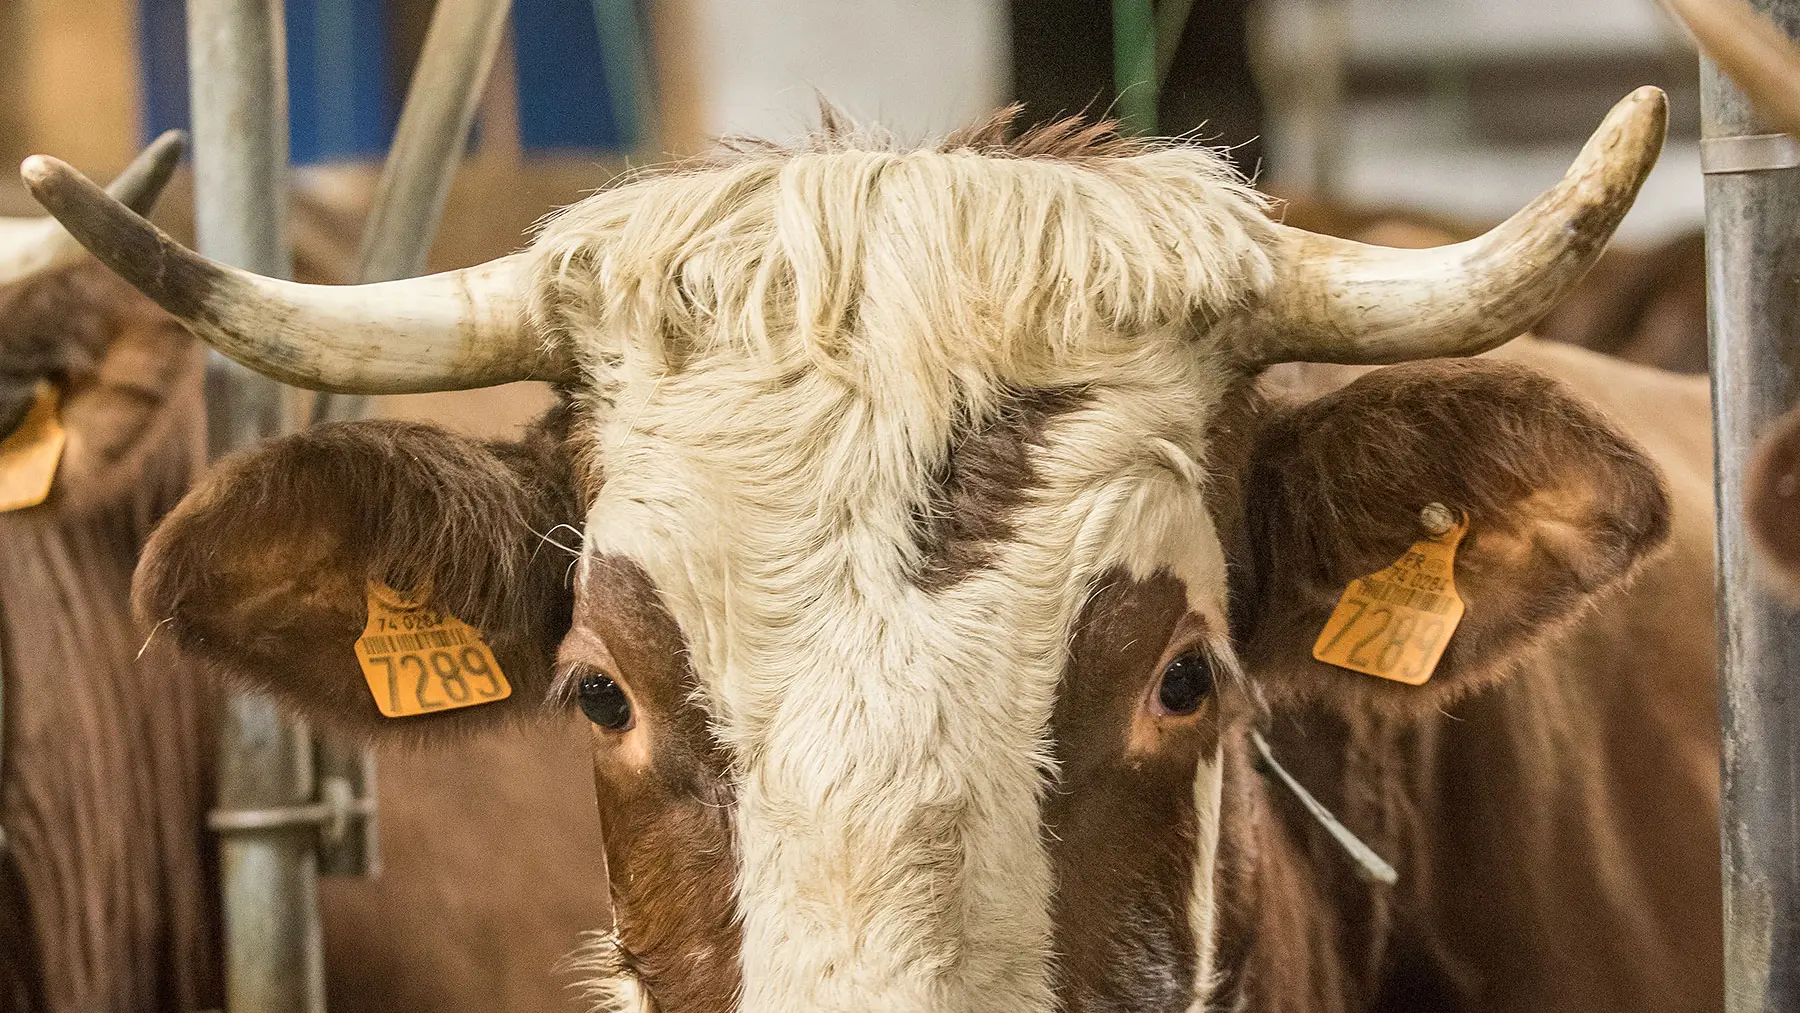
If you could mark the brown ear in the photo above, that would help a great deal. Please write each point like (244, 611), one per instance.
(130, 378)
(262, 572)
(1772, 504)
(1561, 507)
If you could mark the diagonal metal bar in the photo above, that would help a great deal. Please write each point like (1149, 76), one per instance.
(429, 142)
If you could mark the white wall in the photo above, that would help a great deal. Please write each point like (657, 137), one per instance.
(922, 67)
(1409, 154)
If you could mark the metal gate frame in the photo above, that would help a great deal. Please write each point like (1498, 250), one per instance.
(1753, 296)
(268, 810)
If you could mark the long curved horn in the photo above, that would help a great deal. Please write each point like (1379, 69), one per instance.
(1758, 56)
(29, 246)
(449, 331)
(1333, 300)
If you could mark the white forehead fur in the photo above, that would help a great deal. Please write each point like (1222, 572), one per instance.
(781, 350)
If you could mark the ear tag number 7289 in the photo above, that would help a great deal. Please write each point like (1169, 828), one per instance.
(418, 660)
(1396, 623)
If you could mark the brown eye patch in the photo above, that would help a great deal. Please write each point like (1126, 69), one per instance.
(1120, 822)
(665, 802)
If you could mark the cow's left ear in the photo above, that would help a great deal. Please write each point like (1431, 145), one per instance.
(1561, 506)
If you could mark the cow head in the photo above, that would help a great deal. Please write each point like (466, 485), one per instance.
(114, 356)
(906, 484)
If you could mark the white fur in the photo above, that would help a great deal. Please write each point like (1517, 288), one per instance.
(781, 349)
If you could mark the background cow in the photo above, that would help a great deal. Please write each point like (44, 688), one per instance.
(108, 890)
(938, 555)
(103, 779)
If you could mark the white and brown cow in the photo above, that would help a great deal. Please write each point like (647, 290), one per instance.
(938, 553)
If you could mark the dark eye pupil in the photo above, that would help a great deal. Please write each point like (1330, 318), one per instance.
(1185, 683)
(603, 701)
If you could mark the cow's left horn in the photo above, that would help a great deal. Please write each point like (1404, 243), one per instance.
(1333, 300)
(31, 246)
(449, 331)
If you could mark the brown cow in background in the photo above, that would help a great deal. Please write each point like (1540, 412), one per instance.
(108, 894)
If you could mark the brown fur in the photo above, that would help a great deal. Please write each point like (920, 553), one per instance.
(105, 774)
(1561, 506)
(1120, 822)
(313, 518)
(1555, 835)
(668, 828)
(109, 754)
(986, 476)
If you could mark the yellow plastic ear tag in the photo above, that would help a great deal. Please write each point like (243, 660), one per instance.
(28, 456)
(1396, 623)
(419, 660)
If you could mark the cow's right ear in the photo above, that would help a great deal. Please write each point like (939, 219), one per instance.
(262, 573)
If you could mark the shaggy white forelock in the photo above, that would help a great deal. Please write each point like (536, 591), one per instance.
(781, 350)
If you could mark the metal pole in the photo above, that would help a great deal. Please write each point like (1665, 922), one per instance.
(1753, 259)
(429, 141)
(237, 65)
(428, 145)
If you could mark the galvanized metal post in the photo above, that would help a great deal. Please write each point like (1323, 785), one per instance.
(1753, 291)
(238, 80)
(446, 88)
(428, 145)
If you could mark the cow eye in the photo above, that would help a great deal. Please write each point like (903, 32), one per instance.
(1185, 683)
(604, 702)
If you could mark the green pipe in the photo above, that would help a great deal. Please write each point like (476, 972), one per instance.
(1171, 20)
(1134, 64)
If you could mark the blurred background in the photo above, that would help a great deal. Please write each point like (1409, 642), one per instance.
(1409, 122)
(1404, 121)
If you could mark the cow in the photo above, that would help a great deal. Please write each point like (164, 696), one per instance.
(109, 898)
(941, 568)
(108, 873)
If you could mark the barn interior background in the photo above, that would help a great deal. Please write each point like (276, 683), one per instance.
(1459, 108)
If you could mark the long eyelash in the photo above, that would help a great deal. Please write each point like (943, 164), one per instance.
(1226, 666)
(563, 687)
(608, 977)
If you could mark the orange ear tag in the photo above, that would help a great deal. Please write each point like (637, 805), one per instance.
(1395, 623)
(29, 455)
(419, 660)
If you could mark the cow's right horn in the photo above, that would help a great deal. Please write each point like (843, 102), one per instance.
(449, 331)
(30, 246)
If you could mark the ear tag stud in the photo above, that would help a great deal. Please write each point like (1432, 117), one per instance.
(28, 456)
(1395, 623)
(418, 660)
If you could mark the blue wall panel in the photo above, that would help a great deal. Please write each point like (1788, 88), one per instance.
(342, 98)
